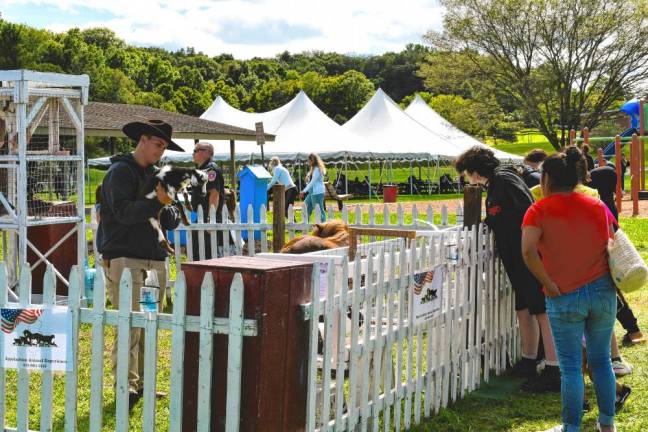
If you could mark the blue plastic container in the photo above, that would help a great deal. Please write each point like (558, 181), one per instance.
(254, 181)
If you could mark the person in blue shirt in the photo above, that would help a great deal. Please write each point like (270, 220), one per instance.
(315, 187)
(280, 175)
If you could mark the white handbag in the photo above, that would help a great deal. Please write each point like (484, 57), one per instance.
(628, 269)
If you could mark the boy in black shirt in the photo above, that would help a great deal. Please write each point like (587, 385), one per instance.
(507, 200)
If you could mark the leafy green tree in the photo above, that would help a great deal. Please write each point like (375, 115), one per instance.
(557, 59)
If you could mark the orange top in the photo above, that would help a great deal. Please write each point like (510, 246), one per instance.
(573, 244)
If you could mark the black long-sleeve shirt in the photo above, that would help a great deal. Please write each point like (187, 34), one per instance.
(124, 229)
(507, 200)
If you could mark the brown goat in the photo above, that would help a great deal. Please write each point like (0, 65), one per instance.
(326, 235)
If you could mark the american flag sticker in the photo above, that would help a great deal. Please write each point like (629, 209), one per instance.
(12, 317)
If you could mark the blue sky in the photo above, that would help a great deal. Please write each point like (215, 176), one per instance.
(245, 28)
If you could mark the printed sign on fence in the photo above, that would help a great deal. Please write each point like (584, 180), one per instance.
(427, 290)
(323, 279)
(36, 338)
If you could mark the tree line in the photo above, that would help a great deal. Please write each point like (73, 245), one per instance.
(496, 67)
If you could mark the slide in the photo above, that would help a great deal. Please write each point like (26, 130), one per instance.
(609, 149)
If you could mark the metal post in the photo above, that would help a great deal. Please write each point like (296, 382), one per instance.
(233, 165)
(429, 182)
(369, 185)
(21, 98)
(410, 178)
(80, 142)
(346, 175)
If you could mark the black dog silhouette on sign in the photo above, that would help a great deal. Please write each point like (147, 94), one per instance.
(35, 339)
(430, 294)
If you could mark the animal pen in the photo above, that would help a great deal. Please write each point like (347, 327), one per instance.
(41, 171)
(370, 363)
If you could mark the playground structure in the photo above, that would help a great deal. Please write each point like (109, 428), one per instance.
(41, 171)
(635, 136)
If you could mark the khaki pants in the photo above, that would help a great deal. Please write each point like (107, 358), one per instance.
(138, 268)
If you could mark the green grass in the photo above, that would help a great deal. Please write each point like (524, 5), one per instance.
(522, 412)
(519, 412)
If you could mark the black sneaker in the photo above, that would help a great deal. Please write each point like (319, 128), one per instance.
(547, 382)
(133, 398)
(158, 394)
(525, 368)
(621, 397)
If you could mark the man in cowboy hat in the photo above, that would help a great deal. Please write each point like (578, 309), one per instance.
(125, 237)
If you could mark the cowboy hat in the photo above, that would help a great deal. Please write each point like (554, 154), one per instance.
(156, 128)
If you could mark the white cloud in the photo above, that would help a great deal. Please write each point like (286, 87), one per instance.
(265, 27)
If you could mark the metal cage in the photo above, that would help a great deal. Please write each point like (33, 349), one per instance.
(41, 164)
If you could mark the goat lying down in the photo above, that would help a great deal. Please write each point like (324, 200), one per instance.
(326, 235)
(173, 180)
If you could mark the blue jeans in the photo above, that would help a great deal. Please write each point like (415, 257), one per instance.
(312, 200)
(591, 310)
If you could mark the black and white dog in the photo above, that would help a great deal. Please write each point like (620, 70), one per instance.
(173, 180)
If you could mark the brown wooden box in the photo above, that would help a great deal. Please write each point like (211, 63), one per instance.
(274, 376)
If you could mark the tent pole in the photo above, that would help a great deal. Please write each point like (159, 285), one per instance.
(232, 166)
(428, 174)
(300, 174)
(369, 185)
(410, 178)
(346, 175)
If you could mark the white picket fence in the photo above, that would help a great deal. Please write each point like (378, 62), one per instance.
(27, 415)
(231, 230)
(387, 371)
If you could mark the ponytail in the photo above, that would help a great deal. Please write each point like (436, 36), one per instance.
(563, 169)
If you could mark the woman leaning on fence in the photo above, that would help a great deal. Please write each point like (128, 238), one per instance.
(570, 231)
(507, 199)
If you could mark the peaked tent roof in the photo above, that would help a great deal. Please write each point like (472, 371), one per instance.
(390, 130)
(420, 111)
(300, 128)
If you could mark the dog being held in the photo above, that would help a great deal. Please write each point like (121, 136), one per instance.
(173, 180)
(326, 235)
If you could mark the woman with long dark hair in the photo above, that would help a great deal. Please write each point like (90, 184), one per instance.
(315, 187)
(570, 232)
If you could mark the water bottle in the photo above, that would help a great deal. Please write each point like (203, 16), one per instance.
(89, 279)
(150, 293)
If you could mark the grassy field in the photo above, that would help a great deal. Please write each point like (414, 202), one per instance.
(523, 412)
(518, 412)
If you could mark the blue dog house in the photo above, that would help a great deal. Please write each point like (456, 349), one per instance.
(253, 181)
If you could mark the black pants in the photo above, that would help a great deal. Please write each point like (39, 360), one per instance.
(289, 197)
(625, 315)
(195, 245)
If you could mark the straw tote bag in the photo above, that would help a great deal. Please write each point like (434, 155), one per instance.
(628, 269)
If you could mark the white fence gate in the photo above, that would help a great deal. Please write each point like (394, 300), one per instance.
(40, 416)
(375, 369)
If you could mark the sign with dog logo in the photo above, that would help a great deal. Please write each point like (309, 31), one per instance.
(36, 338)
(427, 292)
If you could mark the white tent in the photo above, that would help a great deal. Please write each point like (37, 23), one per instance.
(420, 111)
(391, 131)
(300, 128)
